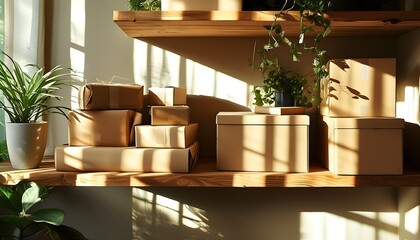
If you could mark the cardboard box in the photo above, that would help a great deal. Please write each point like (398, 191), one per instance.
(255, 142)
(364, 146)
(98, 96)
(103, 127)
(167, 96)
(170, 115)
(359, 88)
(166, 136)
(125, 159)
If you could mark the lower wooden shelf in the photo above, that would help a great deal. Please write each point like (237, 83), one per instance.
(204, 174)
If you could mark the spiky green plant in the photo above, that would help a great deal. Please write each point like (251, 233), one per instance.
(28, 95)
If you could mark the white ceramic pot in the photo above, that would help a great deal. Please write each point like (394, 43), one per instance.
(26, 143)
(208, 5)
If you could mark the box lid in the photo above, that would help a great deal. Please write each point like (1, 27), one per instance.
(365, 122)
(251, 118)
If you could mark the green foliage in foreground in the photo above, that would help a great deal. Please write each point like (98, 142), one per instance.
(39, 224)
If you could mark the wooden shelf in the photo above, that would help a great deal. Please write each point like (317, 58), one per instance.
(204, 174)
(141, 24)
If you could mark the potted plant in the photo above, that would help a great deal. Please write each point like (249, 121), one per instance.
(40, 224)
(25, 101)
(312, 12)
(282, 87)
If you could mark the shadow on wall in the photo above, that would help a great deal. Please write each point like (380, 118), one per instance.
(411, 144)
(281, 213)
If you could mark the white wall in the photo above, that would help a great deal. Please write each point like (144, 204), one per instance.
(84, 36)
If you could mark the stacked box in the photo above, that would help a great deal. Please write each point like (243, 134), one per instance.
(103, 134)
(129, 159)
(112, 128)
(363, 137)
(101, 96)
(148, 136)
(107, 115)
(170, 121)
(248, 141)
(170, 115)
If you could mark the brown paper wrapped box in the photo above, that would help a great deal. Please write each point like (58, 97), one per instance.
(170, 115)
(167, 96)
(103, 127)
(257, 142)
(126, 159)
(364, 146)
(101, 96)
(359, 88)
(166, 136)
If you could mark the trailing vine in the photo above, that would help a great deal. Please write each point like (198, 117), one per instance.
(312, 20)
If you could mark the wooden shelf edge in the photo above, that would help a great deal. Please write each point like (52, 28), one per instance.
(141, 24)
(204, 174)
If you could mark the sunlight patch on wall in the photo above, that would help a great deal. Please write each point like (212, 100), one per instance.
(158, 217)
(411, 223)
(77, 63)
(409, 108)
(77, 40)
(156, 67)
(78, 22)
(349, 225)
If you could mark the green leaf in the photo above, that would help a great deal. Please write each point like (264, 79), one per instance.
(33, 195)
(327, 31)
(51, 216)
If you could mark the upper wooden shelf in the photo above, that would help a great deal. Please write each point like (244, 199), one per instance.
(141, 24)
(204, 174)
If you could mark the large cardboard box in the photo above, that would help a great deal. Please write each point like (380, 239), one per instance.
(359, 88)
(364, 146)
(170, 115)
(101, 96)
(125, 159)
(257, 142)
(166, 136)
(167, 96)
(103, 127)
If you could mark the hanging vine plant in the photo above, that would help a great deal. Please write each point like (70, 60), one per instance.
(312, 20)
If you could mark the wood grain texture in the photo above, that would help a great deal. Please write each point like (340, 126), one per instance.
(204, 174)
(141, 24)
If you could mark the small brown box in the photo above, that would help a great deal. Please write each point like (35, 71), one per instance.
(258, 142)
(364, 146)
(98, 96)
(167, 96)
(166, 136)
(359, 88)
(126, 159)
(170, 115)
(103, 127)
